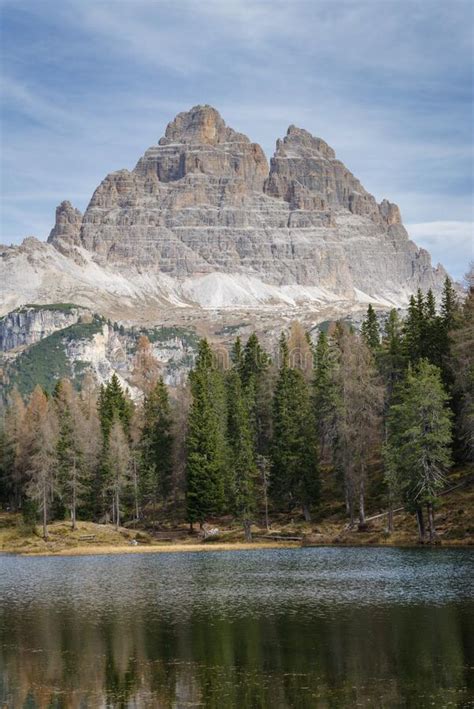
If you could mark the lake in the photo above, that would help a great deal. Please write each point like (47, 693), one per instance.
(322, 627)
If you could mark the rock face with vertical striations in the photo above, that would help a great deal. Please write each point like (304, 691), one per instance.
(203, 221)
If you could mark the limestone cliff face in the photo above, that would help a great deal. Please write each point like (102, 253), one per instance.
(28, 325)
(202, 212)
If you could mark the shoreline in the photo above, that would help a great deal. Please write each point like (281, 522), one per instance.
(106, 550)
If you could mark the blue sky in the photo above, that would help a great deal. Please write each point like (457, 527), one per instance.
(88, 85)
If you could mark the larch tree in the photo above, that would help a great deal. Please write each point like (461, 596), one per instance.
(41, 431)
(419, 441)
(359, 418)
(146, 369)
(70, 448)
(326, 399)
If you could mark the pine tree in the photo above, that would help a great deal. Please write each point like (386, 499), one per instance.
(295, 479)
(206, 453)
(370, 329)
(419, 440)
(241, 450)
(156, 445)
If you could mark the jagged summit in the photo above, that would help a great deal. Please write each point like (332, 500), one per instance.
(203, 219)
(200, 125)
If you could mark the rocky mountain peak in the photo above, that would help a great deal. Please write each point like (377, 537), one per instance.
(201, 125)
(67, 225)
(298, 142)
(202, 219)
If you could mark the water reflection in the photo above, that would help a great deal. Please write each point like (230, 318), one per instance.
(292, 628)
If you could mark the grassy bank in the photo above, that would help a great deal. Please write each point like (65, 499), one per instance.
(454, 522)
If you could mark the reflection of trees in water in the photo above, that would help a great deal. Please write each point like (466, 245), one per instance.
(56, 657)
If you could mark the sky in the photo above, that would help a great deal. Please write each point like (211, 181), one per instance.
(88, 85)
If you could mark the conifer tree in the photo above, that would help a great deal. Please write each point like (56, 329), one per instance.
(295, 479)
(118, 455)
(241, 450)
(71, 443)
(462, 374)
(206, 452)
(359, 418)
(113, 404)
(370, 329)
(255, 377)
(41, 432)
(156, 445)
(325, 397)
(15, 452)
(391, 359)
(414, 328)
(146, 369)
(419, 440)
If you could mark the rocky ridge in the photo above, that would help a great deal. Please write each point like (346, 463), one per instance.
(204, 223)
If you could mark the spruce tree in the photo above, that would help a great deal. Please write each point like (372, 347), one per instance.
(295, 475)
(206, 453)
(241, 450)
(156, 445)
(392, 360)
(419, 440)
(370, 329)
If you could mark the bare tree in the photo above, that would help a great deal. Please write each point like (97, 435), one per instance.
(41, 432)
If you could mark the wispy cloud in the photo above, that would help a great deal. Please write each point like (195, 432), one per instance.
(88, 85)
(449, 242)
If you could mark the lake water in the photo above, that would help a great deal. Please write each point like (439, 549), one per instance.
(322, 627)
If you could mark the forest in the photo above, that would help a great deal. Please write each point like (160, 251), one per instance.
(256, 433)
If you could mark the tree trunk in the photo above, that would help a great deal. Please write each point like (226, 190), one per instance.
(390, 519)
(73, 506)
(306, 513)
(45, 515)
(421, 525)
(135, 486)
(431, 523)
(117, 510)
(361, 504)
(191, 528)
(247, 530)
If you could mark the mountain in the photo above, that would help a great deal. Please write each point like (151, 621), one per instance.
(203, 223)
